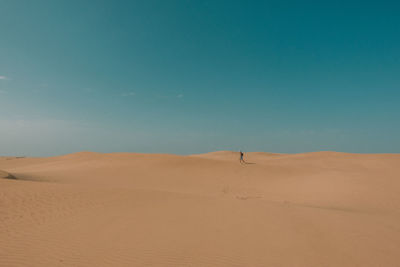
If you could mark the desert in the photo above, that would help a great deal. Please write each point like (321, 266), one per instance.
(130, 209)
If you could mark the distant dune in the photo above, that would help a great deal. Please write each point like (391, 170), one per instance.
(128, 209)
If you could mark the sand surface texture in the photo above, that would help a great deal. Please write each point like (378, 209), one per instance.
(120, 209)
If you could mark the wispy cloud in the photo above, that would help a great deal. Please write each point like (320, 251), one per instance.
(128, 94)
(3, 77)
(169, 96)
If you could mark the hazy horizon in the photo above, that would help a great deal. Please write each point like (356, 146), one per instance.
(187, 77)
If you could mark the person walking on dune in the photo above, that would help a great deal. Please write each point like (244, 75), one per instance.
(241, 157)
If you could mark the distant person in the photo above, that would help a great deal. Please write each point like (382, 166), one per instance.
(241, 157)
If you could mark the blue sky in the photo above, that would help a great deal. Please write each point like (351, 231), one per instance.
(197, 76)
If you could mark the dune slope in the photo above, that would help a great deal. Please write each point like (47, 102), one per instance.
(6, 175)
(125, 209)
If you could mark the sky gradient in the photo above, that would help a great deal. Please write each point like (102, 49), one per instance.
(197, 76)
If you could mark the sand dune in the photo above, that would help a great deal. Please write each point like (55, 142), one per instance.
(126, 209)
(6, 175)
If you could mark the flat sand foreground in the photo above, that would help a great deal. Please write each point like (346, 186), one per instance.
(125, 209)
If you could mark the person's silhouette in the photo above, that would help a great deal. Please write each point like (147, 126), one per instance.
(241, 157)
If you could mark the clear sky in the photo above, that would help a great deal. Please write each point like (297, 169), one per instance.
(197, 76)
